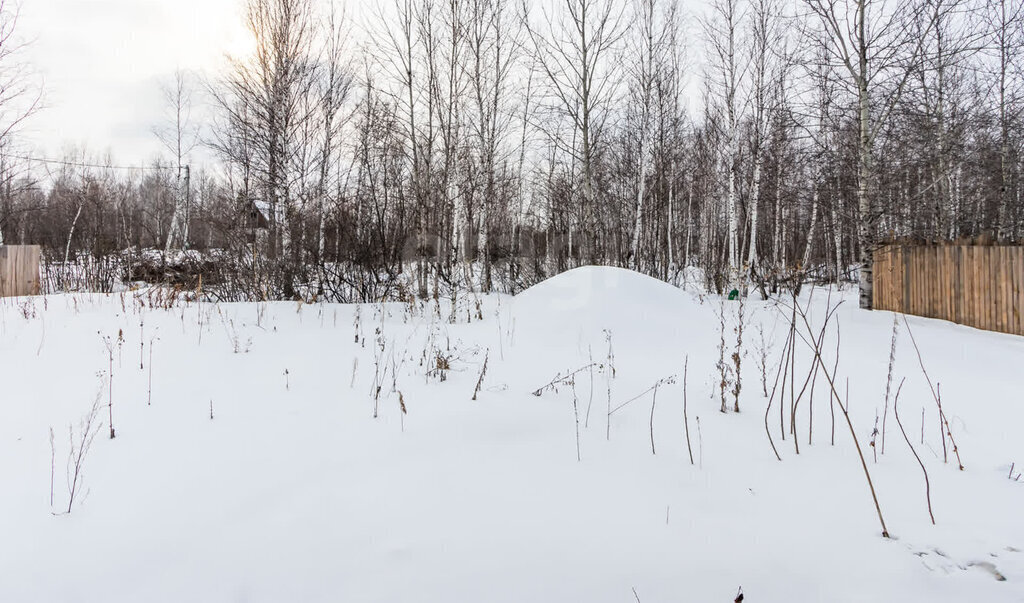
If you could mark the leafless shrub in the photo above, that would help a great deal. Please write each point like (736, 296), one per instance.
(238, 346)
(844, 408)
(442, 364)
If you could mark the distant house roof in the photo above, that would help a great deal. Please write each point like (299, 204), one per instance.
(251, 215)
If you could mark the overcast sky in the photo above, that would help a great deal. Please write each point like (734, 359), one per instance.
(102, 62)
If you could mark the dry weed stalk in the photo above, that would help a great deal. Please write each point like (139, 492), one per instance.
(927, 483)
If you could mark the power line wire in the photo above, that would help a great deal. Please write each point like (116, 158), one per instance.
(90, 165)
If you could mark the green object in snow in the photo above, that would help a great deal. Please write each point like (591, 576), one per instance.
(734, 294)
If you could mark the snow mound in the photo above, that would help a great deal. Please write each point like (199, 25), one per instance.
(577, 307)
(599, 287)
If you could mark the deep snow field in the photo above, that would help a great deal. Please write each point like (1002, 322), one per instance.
(295, 491)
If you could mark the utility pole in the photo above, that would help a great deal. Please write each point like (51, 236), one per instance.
(188, 207)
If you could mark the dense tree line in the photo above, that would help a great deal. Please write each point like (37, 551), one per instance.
(492, 143)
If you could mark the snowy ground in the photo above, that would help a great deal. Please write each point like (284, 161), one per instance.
(295, 492)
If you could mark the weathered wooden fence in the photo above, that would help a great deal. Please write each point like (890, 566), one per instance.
(978, 286)
(19, 270)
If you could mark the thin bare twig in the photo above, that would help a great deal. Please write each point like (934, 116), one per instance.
(927, 483)
(849, 422)
(935, 395)
(686, 420)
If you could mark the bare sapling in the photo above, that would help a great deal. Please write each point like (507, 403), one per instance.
(831, 398)
(812, 379)
(783, 373)
(786, 350)
(211, 409)
(936, 397)
(483, 373)
(888, 378)
(810, 406)
(1011, 476)
(79, 444)
(287, 380)
(815, 342)
(927, 483)
(686, 420)
(844, 408)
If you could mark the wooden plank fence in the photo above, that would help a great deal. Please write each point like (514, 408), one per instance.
(978, 286)
(19, 270)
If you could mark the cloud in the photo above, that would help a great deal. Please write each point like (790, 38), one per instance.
(103, 61)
